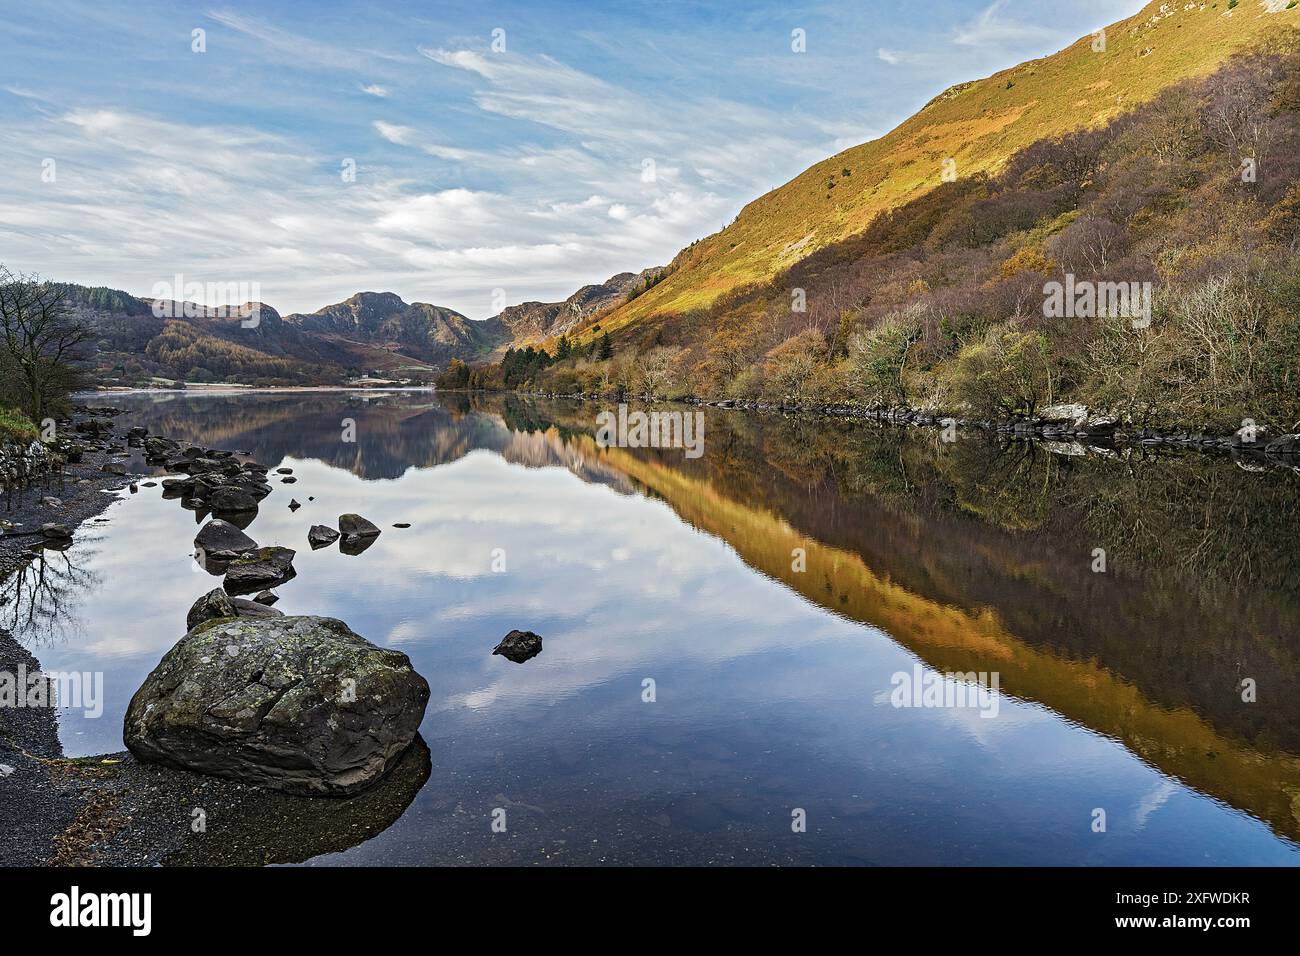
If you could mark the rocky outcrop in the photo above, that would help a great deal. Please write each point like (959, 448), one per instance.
(298, 704)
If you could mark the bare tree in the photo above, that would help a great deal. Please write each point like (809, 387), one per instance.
(41, 339)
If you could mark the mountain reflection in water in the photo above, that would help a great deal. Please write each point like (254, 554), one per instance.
(769, 589)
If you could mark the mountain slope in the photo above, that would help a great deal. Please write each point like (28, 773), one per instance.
(979, 125)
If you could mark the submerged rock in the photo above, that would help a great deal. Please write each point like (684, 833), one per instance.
(298, 704)
(519, 646)
(321, 537)
(222, 541)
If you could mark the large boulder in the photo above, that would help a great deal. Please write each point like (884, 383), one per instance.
(298, 704)
(263, 568)
(221, 541)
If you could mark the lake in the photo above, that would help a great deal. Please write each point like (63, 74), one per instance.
(727, 637)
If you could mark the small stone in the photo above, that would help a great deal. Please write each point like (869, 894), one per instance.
(321, 536)
(519, 646)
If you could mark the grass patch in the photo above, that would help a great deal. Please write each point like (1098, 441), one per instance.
(14, 424)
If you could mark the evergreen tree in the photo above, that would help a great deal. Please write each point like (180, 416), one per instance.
(606, 348)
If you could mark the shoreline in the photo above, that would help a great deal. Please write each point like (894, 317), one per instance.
(112, 809)
(1278, 451)
(1034, 428)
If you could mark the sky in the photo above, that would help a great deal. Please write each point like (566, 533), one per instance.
(472, 155)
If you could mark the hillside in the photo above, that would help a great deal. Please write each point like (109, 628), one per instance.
(1189, 203)
(980, 125)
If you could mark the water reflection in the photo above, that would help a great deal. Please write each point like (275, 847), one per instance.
(771, 675)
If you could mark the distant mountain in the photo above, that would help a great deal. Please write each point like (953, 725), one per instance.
(431, 333)
(370, 333)
(355, 338)
(531, 322)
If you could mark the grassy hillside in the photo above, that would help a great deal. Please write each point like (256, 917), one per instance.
(980, 125)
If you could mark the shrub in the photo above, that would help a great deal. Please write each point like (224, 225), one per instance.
(1006, 373)
(878, 357)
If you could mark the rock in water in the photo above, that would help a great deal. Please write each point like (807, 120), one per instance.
(212, 606)
(321, 537)
(221, 541)
(355, 526)
(519, 646)
(232, 500)
(263, 568)
(298, 704)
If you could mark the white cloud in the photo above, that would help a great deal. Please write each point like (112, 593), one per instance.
(401, 135)
(374, 89)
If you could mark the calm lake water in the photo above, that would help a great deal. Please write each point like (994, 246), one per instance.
(771, 590)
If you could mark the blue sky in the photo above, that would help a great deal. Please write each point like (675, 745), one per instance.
(481, 174)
